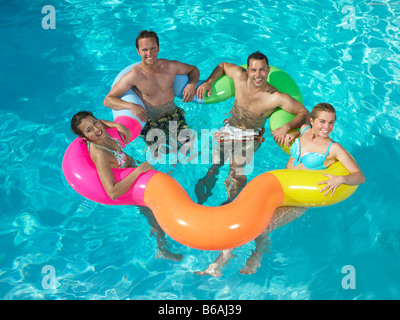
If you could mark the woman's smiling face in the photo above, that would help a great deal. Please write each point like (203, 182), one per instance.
(92, 128)
(324, 123)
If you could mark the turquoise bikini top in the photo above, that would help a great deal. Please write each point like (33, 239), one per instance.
(311, 160)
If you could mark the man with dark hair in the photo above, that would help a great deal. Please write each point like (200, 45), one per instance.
(255, 101)
(257, 56)
(152, 80)
(147, 34)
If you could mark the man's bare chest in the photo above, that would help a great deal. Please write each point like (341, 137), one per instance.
(255, 105)
(155, 84)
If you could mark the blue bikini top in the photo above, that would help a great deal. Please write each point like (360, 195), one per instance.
(311, 160)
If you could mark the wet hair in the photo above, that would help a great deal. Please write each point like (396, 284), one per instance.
(144, 34)
(257, 56)
(321, 107)
(77, 119)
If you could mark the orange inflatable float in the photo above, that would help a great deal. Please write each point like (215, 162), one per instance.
(213, 228)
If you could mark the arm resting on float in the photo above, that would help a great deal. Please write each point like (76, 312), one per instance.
(302, 116)
(290, 137)
(123, 131)
(113, 100)
(193, 74)
(190, 89)
(229, 69)
(101, 159)
(355, 177)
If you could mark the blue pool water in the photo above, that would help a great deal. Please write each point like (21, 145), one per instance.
(349, 59)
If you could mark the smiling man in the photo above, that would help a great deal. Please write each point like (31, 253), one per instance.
(152, 80)
(255, 101)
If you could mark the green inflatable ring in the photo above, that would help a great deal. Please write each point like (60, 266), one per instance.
(223, 88)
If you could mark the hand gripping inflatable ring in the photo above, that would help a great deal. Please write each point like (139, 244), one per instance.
(191, 224)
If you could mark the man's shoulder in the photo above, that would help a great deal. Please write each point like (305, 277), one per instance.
(269, 93)
(136, 73)
(269, 88)
(165, 61)
(271, 98)
(274, 94)
(236, 72)
(133, 71)
(169, 64)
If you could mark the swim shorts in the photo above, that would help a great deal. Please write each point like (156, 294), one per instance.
(237, 144)
(170, 124)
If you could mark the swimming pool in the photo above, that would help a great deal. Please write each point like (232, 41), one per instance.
(103, 252)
